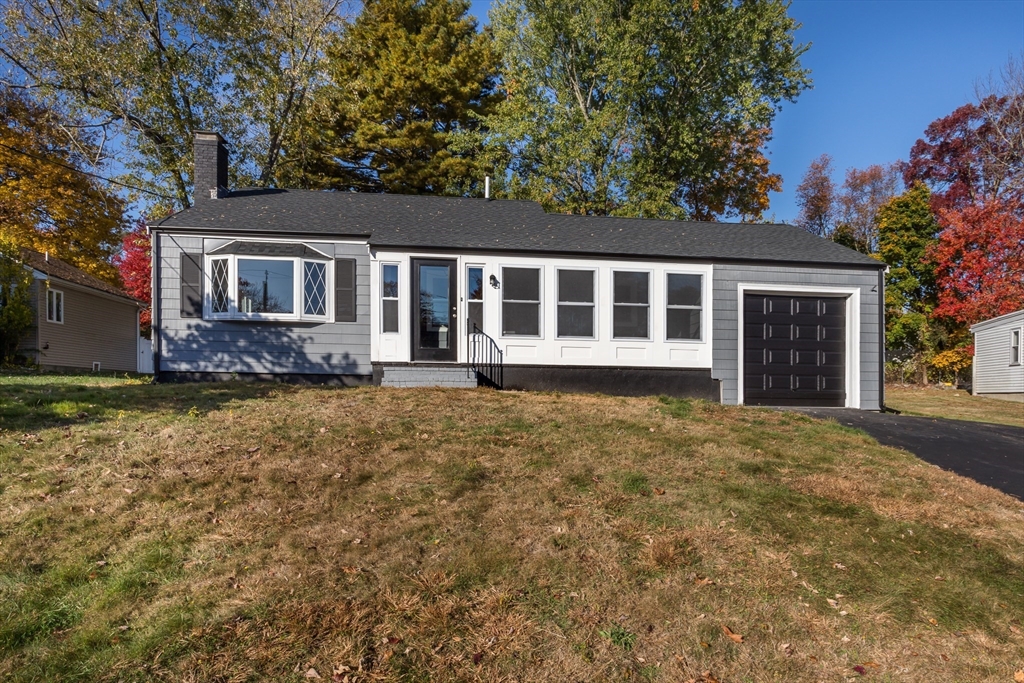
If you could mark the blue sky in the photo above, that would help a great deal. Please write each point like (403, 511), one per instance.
(882, 70)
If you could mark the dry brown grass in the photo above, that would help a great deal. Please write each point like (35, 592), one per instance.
(379, 534)
(954, 404)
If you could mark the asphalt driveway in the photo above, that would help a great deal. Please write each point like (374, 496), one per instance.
(990, 454)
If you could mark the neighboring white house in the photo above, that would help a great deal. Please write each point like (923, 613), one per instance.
(999, 357)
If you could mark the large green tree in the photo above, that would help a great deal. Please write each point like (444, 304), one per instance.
(147, 74)
(404, 79)
(907, 230)
(15, 300)
(641, 107)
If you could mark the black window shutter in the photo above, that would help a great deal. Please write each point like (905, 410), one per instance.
(191, 285)
(345, 290)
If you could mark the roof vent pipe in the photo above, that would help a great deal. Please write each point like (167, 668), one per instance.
(46, 256)
(487, 187)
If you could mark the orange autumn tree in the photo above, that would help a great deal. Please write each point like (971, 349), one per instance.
(46, 202)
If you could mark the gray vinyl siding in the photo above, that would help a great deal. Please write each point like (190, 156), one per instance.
(194, 345)
(725, 349)
(96, 328)
(993, 373)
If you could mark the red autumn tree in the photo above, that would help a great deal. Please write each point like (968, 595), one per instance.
(136, 269)
(980, 262)
(965, 159)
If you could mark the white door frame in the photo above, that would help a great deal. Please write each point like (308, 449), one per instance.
(852, 295)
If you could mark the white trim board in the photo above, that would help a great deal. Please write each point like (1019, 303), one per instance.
(852, 295)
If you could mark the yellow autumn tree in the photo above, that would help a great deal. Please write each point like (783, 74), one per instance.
(46, 202)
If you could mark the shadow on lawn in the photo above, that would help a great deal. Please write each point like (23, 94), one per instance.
(32, 402)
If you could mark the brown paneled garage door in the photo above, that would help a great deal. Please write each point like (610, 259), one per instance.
(794, 350)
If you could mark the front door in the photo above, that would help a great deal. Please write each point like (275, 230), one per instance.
(434, 310)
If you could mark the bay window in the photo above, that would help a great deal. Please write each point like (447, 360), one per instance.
(269, 288)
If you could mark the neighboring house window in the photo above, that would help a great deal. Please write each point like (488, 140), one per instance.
(520, 302)
(54, 306)
(269, 288)
(576, 303)
(683, 306)
(389, 297)
(475, 297)
(1015, 347)
(631, 295)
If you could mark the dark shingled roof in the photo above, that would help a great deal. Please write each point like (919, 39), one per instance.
(54, 267)
(411, 221)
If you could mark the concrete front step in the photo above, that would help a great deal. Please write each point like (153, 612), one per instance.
(427, 376)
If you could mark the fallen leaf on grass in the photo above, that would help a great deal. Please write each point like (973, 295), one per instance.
(786, 648)
(861, 670)
(478, 657)
(311, 673)
(704, 582)
(840, 566)
(253, 449)
(734, 637)
(658, 491)
(873, 665)
(1018, 677)
(832, 603)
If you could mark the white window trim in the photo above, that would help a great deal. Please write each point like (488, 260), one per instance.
(298, 290)
(48, 318)
(397, 297)
(649, 305)
(1020, 351)
(852, 295)
(539, 302)
(593, 305)
(703, 308)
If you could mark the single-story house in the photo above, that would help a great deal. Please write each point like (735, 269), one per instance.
(79, 321)
(412, 290)
(998, 358)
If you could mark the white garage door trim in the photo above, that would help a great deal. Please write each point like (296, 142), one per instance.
(852, 295)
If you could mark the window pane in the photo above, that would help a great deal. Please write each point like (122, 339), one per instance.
(475, 284)
(390, 321)
(629, 322)
(576, 286)
(683, 323)
(520, 319)
(219, 276)
(389, 285)
(266, 286)
(521, 284)
(476, 315)
(683, 290)
(51, 305)
(631, 288)
(59, 299)
(314, 288)
(575, 321)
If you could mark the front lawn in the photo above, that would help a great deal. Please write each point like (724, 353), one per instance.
(236, 532)
(953, 404)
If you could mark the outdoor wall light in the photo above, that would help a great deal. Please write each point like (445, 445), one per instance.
(494, 282)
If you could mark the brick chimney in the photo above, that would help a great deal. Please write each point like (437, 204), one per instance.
(210, 152)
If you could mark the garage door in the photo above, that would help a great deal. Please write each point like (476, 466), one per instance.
(794, 350)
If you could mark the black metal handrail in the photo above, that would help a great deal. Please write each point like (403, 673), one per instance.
(485, 359)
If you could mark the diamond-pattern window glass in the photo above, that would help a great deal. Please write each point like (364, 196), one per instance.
(314, 288)
(219, 278)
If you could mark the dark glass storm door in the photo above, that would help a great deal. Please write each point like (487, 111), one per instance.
(435, 310)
